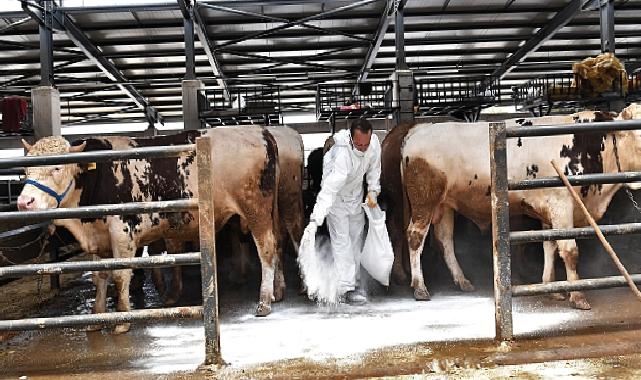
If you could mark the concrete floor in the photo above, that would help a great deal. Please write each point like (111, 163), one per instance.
(392, 335)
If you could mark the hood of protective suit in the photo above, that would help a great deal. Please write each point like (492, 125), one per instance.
(343, 138)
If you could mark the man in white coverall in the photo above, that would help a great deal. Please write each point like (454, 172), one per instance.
(356, 153)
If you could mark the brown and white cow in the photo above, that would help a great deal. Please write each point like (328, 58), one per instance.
(446, 168)
(245, 170)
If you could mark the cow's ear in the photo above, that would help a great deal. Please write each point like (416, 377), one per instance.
(78, 148)
(26, 145)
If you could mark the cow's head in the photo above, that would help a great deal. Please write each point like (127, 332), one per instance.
(48, 186)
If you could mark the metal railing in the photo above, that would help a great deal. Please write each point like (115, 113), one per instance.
(458, 92)
(244, 105)
(351, 100)
(502, 237)
(206, 257)
(568, 90)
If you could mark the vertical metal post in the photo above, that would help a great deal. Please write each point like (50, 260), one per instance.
(606, 11)
(190, 55)
(208, 250)
(46, 44)
(501, 232)
(399, 33)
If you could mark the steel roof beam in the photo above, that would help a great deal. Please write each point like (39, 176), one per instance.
(300, 21)
(283, 20)
(205, 41)
(379, 35)
(83, 42)
(545, 33)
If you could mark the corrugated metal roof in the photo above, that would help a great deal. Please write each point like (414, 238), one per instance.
(463, 38)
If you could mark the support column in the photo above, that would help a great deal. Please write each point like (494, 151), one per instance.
(403, 82)
(191, 117)
(606, 10)
(45, 99)
(46, 111)
(402, 78)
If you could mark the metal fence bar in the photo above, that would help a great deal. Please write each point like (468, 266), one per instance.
(101, 210)
(522, 237)
(98, 156)
(564, 129)
(578, 180)
(568, 286)
(208, 250)
(23, 230)
(190, 312)
(500, 233)
(97, 265)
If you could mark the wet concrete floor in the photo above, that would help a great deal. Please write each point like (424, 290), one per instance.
(392, 335)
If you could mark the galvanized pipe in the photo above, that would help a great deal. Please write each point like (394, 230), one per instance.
(191, 312)
(102, 210)
(98, 265)
(500, 233)
(576, 180)
(522, 237)
(99, 156)
(207, 231)
(23, 230)
(565, 129)
(570, 286)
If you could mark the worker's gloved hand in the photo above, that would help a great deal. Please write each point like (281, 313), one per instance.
(309, 234)
(372, 199)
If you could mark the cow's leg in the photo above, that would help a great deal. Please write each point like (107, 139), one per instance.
(562, 217)
(549, 251)
(156, 248)
(279, 277)
(569, 251)
(425, 189)
(266, 244)
(394, 224)
(444, 233)
(123, 246)
(138, 279)
(174, 247)
(416, 232)
(239, 258)
(100, 280)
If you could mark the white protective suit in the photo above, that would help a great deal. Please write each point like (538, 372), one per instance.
(340, 201)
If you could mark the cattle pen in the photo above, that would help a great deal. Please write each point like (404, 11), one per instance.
(164, 169)
(502, 237)
(206, 257)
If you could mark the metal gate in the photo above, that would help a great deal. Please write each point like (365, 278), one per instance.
(502, 237)
(206, 257)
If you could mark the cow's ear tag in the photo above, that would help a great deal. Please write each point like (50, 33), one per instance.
(91, 166)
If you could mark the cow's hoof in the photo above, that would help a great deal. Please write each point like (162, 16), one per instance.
(579, 302)
(466, 285)
(92, 328)
(558, 296)
(263, 309)
(121, 328)
(421, 295)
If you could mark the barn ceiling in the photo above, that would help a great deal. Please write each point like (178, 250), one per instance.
(145, 43)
